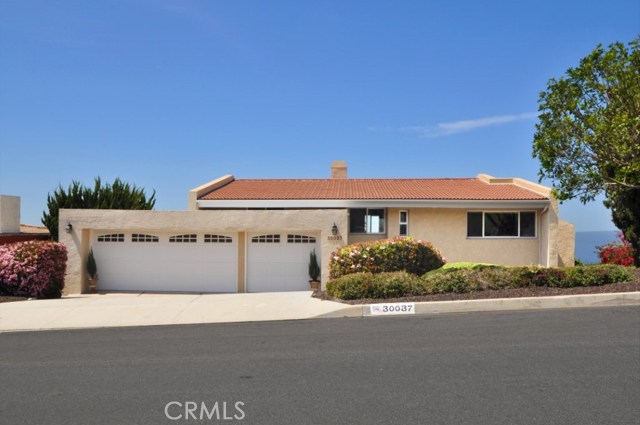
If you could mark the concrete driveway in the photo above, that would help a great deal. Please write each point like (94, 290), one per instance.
(146, 309)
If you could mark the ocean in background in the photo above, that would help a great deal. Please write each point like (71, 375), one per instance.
(586, 243)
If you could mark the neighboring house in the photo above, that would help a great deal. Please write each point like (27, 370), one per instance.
(10, 228)
(255, 235)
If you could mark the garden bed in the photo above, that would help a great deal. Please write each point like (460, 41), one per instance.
(531, 291)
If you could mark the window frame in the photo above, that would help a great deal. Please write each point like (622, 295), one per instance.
(403, 223)
(518, 236)
(366, 215)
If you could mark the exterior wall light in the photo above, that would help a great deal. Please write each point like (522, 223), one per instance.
(334, 229)
(68, 228)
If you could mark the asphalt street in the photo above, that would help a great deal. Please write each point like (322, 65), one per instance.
(578, 366)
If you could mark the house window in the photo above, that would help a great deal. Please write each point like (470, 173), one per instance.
(114, 237)
(266, 239)
(366, 220)
(192, 238)
(404, 223)
(138, 237)
(501, 224)
(300, 239)
(217, 239)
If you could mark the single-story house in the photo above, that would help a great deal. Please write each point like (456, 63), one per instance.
(255, 235)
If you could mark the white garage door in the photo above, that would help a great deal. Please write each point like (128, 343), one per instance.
(194, 262)
(279, 262)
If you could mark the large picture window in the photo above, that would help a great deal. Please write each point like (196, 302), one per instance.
(501, 224)
(366, 220)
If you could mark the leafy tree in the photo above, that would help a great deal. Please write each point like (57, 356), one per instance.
(116, 196)
(588, 135)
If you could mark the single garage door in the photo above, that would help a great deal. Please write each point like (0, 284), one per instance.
(279, 262)
(192, 262)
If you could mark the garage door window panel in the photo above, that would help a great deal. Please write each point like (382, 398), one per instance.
(191, 238)
(139, 237)
(113, 237)
(217, 239)
(266, 239)
(300, 239)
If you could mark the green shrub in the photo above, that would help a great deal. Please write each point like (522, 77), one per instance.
(599, 274)
(569, 277)
(375, 285)
(389, 255)
(449, 267)
(92, 267)
(400, 284)
(468, 280)
(583, 276)
(524, 276)
(552, 278)
(498, 277)
(314, 268)
(457, 281)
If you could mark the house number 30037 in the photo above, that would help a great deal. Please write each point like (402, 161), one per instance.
(392, 308)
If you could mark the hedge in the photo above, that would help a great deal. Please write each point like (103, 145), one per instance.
(400, 284)
(375, 285)
(388, 255)
(33, 269)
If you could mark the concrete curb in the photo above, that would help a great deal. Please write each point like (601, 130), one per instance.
(615, 299)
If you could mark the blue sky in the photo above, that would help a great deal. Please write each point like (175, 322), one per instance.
(171, 94)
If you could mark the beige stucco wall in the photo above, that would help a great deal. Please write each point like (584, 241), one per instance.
(9, 214)
(566, 244)
(549, 247)
(224, 221)
(359, 237)
(447, 230)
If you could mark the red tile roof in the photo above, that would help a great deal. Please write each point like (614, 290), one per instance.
(418, 189)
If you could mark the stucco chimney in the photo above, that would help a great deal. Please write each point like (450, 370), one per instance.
(338, 169)
(9, 214)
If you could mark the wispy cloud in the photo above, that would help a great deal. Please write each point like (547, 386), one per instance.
(455, 127)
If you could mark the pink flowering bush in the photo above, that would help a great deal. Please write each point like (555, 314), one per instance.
(33, 269)
(620, 252)
(388, 255)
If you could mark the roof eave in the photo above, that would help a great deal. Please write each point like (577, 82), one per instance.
(373, 203)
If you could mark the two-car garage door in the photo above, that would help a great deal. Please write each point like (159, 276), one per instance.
(192, 262)
(201, 262)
